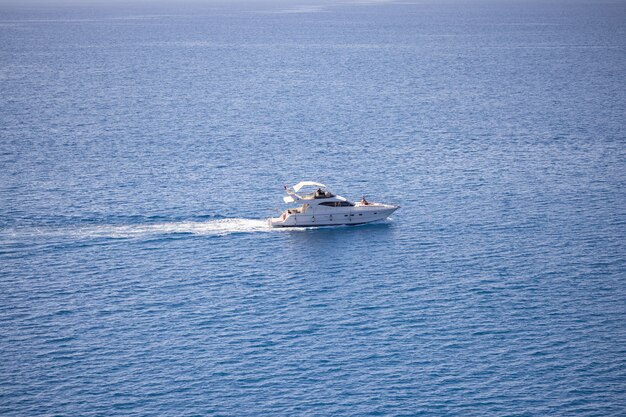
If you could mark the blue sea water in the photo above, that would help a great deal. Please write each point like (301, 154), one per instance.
(141, 147)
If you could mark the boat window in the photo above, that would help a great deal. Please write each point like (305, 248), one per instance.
(336, 204)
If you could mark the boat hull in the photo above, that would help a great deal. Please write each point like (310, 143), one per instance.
(353, 216)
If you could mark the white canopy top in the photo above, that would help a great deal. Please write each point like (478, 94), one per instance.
(299, 185)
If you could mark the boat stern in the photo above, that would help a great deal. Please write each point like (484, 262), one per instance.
(286, 219)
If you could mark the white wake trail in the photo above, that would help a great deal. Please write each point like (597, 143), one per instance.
(219, 227)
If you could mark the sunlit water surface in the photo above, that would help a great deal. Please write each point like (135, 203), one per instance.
(143, 147)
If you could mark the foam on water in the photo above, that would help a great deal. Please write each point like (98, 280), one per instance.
(220, 227)
(209, 228)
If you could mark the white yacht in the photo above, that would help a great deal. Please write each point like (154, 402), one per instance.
(320, 207)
